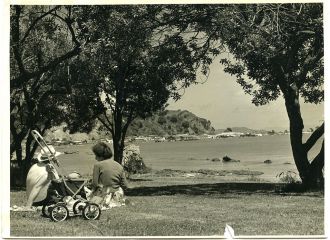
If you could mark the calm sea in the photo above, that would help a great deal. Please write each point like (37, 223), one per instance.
(194, 155)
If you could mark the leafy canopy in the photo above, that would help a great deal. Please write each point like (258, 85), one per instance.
(275, 46)
(136, 58)
(267, 47)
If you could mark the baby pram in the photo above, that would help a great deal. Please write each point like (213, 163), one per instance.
(66, 195)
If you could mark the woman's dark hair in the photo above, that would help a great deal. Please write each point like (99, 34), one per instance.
(103, 150)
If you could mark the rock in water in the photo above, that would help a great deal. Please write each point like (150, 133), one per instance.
(228, 159)
(215, 160)
(268, 161)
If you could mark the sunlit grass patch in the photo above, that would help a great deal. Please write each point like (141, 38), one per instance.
(193, 213)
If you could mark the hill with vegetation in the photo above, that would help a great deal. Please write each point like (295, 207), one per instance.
(171, 122)
(168, 122)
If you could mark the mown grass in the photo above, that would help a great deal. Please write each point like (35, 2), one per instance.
(189, 210)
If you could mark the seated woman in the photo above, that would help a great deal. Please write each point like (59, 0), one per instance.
(109, 181)
(38, 179)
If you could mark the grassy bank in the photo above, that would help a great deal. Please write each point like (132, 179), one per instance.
(195, 209)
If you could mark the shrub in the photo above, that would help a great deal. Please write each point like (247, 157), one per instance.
(254, 178)
(185, 124)
(163, 113)
(288, 177)
(161, 120)
(174, 119)
(133, 162)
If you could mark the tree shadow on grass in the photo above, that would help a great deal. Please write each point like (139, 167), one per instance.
(224, 188)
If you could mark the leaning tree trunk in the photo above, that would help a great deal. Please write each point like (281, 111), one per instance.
(310, 173)
(296, 129)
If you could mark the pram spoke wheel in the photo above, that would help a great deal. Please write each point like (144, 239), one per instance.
(46, 210)
(59, 213)
(78, 206)
(91, 211)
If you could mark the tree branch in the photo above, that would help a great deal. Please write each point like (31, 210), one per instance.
(109, 100)
(105, 125)
(15, 40)
(308, 64)
(319, 159)
(279, 74)
(30, 104)
(313, 138)
(108, 120)
(68, 22)
(24, 75)
(36, 21)
(39, 82)
(50, 92)
(52, 64)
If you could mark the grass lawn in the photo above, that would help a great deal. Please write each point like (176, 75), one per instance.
(199, 209)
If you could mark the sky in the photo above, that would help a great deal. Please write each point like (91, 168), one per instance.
(222, 101)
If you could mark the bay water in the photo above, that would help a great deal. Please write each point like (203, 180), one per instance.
(202, 154)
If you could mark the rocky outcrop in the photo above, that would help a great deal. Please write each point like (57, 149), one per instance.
(171, 122)
(227, 159)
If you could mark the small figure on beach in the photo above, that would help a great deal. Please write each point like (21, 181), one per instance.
(109, 181)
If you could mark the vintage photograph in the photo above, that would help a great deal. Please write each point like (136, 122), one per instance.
(167, 120)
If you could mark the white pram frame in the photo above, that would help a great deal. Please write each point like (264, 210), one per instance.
(71, 204)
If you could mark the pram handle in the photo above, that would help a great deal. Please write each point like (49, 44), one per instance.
(42, 143)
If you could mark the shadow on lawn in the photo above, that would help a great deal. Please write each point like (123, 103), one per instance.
(224, 188)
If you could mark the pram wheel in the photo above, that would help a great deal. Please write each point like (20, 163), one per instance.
(59, 212)
(78, 206)
(46, 210)
(91, 211)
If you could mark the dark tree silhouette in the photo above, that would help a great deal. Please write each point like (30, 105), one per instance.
(275, 50)
(138, 61)
(42, 39)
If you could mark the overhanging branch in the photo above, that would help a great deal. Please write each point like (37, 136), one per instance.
(313, 138)
(25, 75)
(109, 127)
(36, 21)
(28, 75)
(318, 161)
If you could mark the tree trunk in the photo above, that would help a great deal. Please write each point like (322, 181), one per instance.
(20, 178)
(296, 128)
(117, 144)
(315, 177)
(118, 149)
(311, 174)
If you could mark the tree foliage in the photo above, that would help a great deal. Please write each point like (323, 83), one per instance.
(139, 61)
(42, 39)
(276, 50)
(293, 34)
(132, 59)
